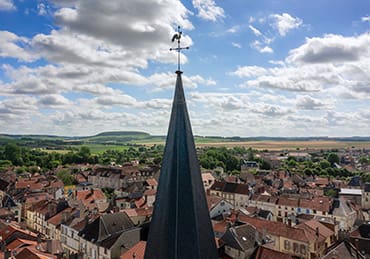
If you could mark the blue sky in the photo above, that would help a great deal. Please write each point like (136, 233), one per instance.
(254, 68)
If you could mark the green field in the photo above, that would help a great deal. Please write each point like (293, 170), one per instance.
(122, 140)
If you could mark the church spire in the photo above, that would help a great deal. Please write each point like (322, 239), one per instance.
(181, 227)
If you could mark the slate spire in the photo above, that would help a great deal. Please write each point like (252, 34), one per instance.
(181, 227)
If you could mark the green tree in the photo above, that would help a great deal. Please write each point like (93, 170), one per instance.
(13, 153)
(66, 177)
(333, 158)
(324, 164)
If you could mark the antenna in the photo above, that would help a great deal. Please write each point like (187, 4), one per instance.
(177, 36)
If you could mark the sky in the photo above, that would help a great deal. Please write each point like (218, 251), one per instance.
(254, 68)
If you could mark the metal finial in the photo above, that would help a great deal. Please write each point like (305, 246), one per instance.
(177, 36)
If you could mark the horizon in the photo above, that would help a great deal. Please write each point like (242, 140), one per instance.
(260, 69)
(195, 135)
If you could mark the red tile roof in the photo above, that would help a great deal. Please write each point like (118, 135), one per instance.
(275, 228)
(212, 200)
(152, 182)
(138, 250)
(317, 203)
(291, 202)
(267, 253)
(57, 219)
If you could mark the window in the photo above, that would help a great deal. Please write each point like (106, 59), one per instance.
(286, 245)
(314, 211)
(295, 248)
(303, 249)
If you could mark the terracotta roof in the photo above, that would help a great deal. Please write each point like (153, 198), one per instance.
(10, 229)
(267, 253)
(19, 242)
(323, 230)
(31, 252)
(151, 182)
(137, 250)
(321, 181)
(88, 197)
(317, 203)
(291, 202)
(140, 202)
(150, 192)
(220, 227)
(218, 186)
(58, 219)
(275, 228)
(311, 233)
(212, 201)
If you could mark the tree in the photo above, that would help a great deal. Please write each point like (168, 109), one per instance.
(13, 153)
(66, 177)
(324, 164)
(265, 165)
(333, 158)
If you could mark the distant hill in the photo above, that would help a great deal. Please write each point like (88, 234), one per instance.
(138, 137)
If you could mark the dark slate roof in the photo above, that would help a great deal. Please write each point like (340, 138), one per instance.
(105, 226)
(181, 226)
(242, 237)
(264, 213)
(3, 185)
(367, 187)
(343, 250)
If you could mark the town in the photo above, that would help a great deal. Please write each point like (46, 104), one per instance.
(263, 204)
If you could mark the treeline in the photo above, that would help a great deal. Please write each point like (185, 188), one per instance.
(14, 155)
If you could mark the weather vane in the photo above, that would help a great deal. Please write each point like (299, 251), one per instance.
(177, 36)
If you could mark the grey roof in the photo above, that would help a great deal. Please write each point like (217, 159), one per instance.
(181, 225)
(241, 237)
(105, 226)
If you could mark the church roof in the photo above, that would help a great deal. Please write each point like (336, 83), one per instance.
(181, 225)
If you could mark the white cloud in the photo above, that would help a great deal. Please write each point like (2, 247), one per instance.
(306, 102)
(249, 71)
(284, 22)
(259, 46)
(234, 29)
(163, 81)
(7, 5)
(255, 30)
(236, 45)
(365, 18)
(41, 7)
(53, 101)
(13, 46)
(208, 10)
(331, 49)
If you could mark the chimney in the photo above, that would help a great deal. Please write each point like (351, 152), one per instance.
(317, 232)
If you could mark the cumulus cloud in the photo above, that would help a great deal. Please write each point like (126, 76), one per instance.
(14, 46)
(163, 81)
(41, 8)
(284, 22)
(208, 10)
(306, 102)
(261, 48)
(53, 101)
(365, 18)
(7, 5)
(249, 71)
(331, 49)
